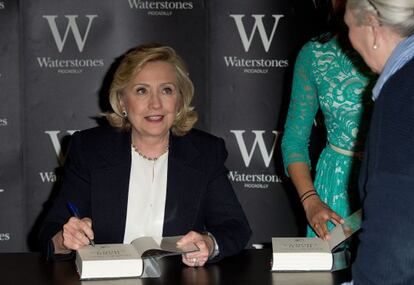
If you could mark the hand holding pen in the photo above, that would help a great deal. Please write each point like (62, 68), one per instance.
(78, 229)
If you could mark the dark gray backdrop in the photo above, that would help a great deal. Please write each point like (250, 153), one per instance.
(56, 62)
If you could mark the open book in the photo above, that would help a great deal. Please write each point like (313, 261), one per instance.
(138, 259)
(312, 254)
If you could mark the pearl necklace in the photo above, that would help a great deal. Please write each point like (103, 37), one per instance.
(147, 157)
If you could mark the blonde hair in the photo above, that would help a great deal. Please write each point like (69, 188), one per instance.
(131, 64)
(396, 14)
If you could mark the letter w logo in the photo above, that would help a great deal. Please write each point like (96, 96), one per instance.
(71, 26)
(258, 25)
(258, 141)
(53, 135)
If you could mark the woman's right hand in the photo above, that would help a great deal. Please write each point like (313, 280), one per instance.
(75, 234)
(319, 214)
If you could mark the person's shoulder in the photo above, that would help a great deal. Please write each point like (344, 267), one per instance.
(100, 131)
(99, 135)
(204, 146)
(408, 67)
(316, 43)
(198, 135)
(310, 45)
(100, 145)
(401, 79)
(204, 142)
(328, 44)
(309, 50)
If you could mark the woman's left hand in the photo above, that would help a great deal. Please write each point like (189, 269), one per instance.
(204, 242)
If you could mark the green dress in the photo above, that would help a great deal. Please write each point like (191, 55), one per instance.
(338, 83)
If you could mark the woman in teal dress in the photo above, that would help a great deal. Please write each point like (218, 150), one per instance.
(329, 76)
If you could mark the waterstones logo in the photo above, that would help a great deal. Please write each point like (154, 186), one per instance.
(255, 180)
(4, 236)
(3, 122)
(259, 143)
(255, 65)
(72, 66)
(57, 146)
(160, 8)
(65, 29)
(50, 176)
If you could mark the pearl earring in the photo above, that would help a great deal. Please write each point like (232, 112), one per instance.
(124, 113)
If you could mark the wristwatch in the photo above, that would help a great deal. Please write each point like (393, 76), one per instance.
(215, 251)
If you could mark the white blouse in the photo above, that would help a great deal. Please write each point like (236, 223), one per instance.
(146, 196)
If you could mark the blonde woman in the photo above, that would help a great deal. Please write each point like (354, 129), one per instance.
(149, 173)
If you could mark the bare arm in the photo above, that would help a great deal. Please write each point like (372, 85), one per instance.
(317, 212)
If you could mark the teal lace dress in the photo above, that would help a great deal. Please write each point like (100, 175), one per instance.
(338, 83)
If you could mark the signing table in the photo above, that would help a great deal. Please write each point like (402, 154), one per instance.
(249, 267)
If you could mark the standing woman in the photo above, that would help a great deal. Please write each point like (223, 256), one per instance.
(382, 31)
(329, 75)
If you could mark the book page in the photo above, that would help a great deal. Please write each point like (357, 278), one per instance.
(170, 244)
(161, 246)
(143, 244)
(343, 231)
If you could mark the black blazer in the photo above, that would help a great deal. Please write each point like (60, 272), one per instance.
(199, 194)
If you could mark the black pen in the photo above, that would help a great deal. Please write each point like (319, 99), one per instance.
(75, 212)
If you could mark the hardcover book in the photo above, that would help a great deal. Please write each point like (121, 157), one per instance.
(312, 254)
(138, 259)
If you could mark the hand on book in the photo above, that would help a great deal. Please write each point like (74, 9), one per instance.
(203, 242)
(76, 233)
(319, 214)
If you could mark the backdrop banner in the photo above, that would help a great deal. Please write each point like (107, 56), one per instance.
(250, 58)
(56, 63)
(12, 203)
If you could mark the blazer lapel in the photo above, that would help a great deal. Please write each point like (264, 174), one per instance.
(111, 184)
(184, 181)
